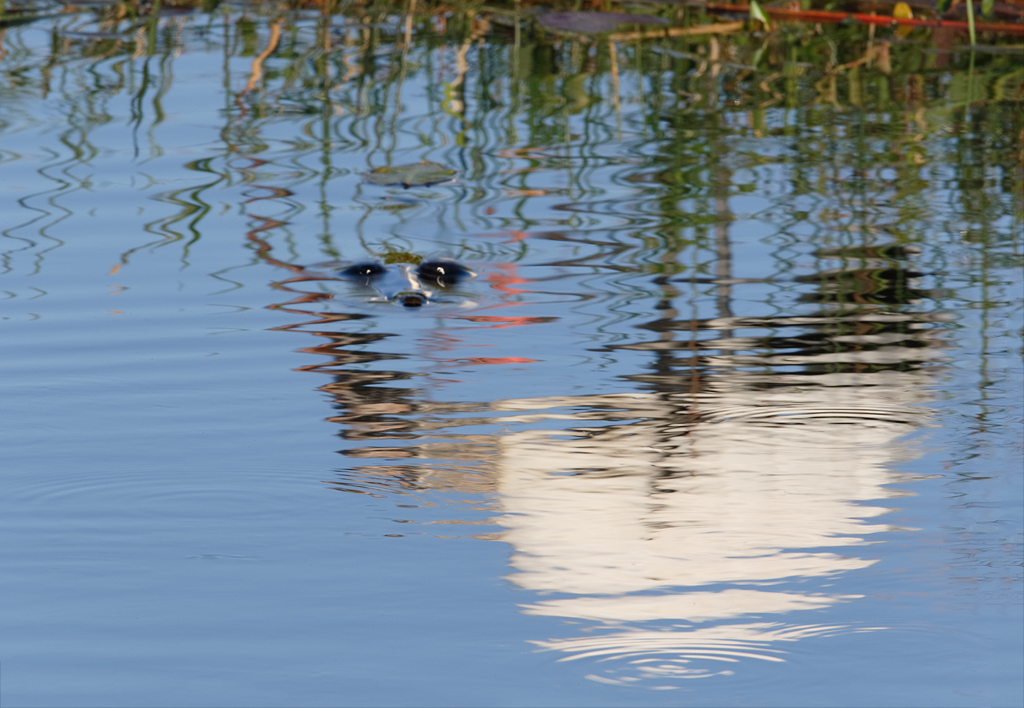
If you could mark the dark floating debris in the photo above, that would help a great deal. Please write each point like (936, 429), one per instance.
(595, 22)
(421, 174)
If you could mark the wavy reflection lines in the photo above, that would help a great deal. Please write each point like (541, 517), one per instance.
(82, 111)
(44, 207)
(77, 160)
(561, 164)
(517, 158)
(666, 655)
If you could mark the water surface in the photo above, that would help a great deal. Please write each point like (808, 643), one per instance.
(729, 415)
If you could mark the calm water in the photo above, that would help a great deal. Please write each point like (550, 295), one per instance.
(730, 414)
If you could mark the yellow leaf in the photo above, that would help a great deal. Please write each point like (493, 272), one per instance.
(903, 12)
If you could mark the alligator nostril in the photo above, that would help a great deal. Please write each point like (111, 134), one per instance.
(412, 300)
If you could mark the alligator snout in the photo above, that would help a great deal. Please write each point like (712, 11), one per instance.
(412, 285)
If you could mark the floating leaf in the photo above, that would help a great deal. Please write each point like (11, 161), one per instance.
(987, 6)
(757, 13)
(594, 22)
(421, 174)
(942, 5)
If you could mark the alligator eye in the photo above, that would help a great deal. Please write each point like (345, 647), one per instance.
(363, 270)
(443, 272)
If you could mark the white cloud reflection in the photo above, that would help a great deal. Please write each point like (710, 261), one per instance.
(748, 488)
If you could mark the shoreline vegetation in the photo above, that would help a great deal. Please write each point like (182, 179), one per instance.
(779, 39)
(603, 18)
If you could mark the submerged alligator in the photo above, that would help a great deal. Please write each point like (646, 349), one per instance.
(399, 277)
(411, 284)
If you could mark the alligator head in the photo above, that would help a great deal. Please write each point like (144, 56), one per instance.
(412, 285)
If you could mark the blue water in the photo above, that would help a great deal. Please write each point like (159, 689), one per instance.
(730, 414)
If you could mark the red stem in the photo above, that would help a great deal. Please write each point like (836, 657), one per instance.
(829, 16)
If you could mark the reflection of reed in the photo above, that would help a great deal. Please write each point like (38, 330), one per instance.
(514, 89)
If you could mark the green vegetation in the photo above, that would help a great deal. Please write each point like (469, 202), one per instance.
(700, 85)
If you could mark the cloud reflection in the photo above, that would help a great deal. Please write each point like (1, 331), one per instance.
(631, 520)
